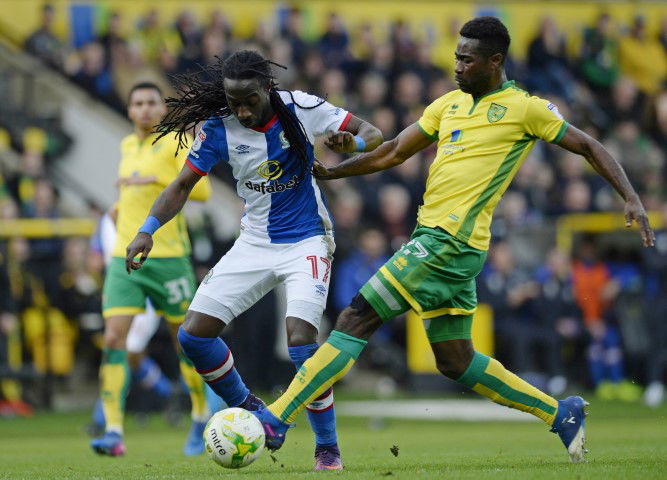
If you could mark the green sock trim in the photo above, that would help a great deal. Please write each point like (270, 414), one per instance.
(347, 343)
(475, 373)
(113, 356)
(350, 347)
(514, 396)
(183, 358)
(475, 370)
(329, 371)
(126, 386)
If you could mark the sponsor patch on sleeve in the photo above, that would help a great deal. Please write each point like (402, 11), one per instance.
(554, 109)
(199, 139)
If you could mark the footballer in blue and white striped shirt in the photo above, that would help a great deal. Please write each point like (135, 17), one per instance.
(267, 136)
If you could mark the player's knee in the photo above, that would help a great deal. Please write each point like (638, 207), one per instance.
(134, 359)
(298, 339)
(359, 319)
(114, 339)
(359, 304)
(450, 368)
(189, 324)
(349, 318)
(300, 332)
(201, 325)
(453, 366)
(453, 357)
(185, 338)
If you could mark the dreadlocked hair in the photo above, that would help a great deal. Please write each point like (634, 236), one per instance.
(201, 96)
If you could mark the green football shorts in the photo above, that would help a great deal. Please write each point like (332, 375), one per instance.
(433, 274)
(169, 283)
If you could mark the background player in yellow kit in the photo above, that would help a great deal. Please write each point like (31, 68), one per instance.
(167, 279)
(483, 131)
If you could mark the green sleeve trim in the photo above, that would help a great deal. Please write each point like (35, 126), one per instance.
(434, 136)
(561, 133)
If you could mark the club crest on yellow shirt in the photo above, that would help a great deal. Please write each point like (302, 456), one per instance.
(495, 113)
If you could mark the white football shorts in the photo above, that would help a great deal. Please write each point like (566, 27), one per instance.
(249, 270)
(144, 326)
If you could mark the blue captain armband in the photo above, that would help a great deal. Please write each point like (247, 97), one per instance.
(150, 226)
(361, 143)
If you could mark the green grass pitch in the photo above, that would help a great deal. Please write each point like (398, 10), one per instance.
(625, 441)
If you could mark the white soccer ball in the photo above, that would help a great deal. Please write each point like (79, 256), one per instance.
(234, 438)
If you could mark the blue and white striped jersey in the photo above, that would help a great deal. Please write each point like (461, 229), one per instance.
(280, 206)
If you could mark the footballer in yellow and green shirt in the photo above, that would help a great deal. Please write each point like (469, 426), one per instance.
(484, 131)
(481, 145)
(167, 280)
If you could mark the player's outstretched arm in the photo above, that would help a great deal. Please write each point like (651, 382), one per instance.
(389, 154)
(583, 144)
(165, 207)
(358, 136)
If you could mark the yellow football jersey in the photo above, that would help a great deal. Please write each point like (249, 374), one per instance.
(141, 158)
(481, 145)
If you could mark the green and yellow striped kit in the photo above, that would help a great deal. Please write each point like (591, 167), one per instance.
(330, 363)
(489, 378)
(433, 274)
(115, 381)
(481, 145)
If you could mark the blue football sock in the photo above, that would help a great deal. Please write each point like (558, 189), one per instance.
(596, 365)
(98, 414)
(150, 376)
(320, 411)
(215, 403)
(613, 355)
(214, 362)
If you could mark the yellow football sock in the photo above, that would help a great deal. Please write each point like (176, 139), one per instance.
(58, 345)
(488, 377)
(329, 363)
(115, 381)
(195, 383)
(11, 389)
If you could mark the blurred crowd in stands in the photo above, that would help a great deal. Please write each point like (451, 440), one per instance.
(555, 313)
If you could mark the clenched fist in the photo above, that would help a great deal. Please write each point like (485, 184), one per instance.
(341, 142)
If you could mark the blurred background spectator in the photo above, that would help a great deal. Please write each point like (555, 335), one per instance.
(600, 305)
(44, 44)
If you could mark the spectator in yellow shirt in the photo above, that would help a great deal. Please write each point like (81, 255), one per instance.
(642, 58)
